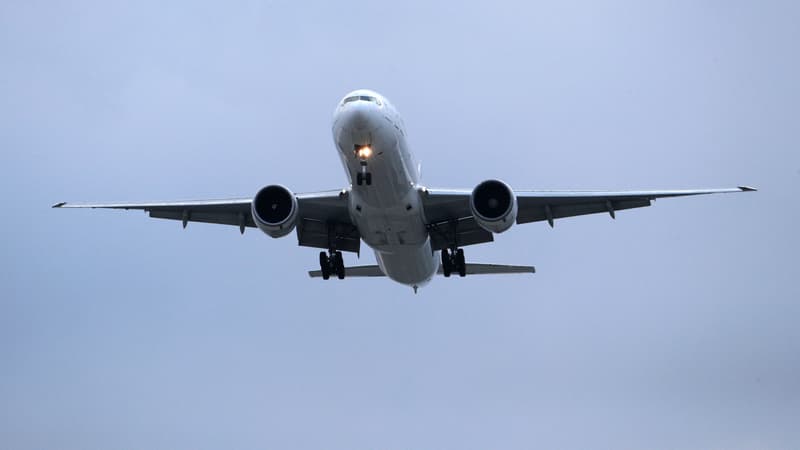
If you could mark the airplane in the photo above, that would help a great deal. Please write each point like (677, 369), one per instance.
(416, 232)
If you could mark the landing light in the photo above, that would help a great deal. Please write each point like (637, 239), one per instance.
(364, 152)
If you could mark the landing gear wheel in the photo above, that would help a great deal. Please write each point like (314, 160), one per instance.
(324, 265)
(338, 264)
(447, 267)
(364, 178)
(460, 263)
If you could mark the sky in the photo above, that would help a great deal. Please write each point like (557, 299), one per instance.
(671, 327)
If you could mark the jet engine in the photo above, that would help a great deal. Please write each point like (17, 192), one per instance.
(494, 206)
(274, 210)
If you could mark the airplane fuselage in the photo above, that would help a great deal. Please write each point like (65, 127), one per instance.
(386, 207)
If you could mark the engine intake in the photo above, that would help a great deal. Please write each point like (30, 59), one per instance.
(494, 206)
(274, 210)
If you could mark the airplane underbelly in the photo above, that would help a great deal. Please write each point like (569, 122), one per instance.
(391, 220)
(400, 240)
(413, 266)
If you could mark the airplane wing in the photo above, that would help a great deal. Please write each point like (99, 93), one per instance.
(448, 213)
(317, 211)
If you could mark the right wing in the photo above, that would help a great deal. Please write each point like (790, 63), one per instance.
(449, 216)
(320, 215)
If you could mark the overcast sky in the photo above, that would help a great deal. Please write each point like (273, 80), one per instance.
(674, 326)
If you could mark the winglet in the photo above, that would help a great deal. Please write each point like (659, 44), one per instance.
(59, 205)
(747, 188)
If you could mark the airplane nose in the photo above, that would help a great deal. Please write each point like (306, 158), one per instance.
(357, 117)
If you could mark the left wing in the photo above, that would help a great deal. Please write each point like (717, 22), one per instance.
(225, 212)
(319, 214)
(449, 216)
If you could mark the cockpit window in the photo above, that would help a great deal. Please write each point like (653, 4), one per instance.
(363, 98)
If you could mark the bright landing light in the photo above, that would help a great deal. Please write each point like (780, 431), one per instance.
(364, 152)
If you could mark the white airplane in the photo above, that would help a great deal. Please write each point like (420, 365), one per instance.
(416, 232)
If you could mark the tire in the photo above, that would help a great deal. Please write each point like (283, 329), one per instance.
(369, 178)
(461, 263)
(359, 178)
(447, 269)
(324, 265)
(339, 264)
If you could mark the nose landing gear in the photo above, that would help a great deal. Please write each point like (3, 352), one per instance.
(364, 176)
(363, 153)
(453, 261)
(331, 263)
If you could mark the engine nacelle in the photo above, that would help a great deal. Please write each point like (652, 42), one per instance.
(494, 206)
(274, 210)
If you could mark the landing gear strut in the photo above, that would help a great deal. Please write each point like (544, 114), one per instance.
(363, 176)
(453, 261)
(331, 264)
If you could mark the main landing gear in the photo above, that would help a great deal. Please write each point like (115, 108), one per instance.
(452, 256)
(453, 262)
(331, 264)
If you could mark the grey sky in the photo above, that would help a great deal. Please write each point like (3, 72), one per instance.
(674, 326)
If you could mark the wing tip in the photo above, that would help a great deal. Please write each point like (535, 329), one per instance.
(747, 189)
(59, 205)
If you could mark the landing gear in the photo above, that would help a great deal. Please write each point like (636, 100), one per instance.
(453, 262)
(324, 265)
(331, 263)
(364, 177)
(338, 263)
(460, 263)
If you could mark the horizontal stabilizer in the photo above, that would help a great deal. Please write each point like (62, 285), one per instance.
(495, 269)
(472, 269)
(357, 271)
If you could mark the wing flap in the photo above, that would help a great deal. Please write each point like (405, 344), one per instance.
(465, 231)
(222, 218)
(319, 234)
(534, 211)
